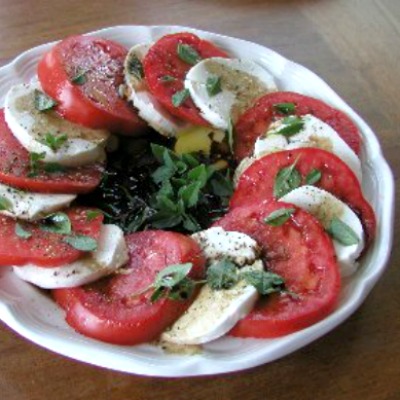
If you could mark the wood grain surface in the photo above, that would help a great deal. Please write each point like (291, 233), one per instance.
(355, 46)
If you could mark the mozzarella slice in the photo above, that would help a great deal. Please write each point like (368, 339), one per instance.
(213, 313)
(111, 254)
(147, 105)
(324, 206)
(242, 81)
(30, 126)
(314, 133)
(31, 206)
(216, 243)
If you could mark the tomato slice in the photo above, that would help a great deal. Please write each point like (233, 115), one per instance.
(15, 169)
(163, 60)
(256, 120)
(43, 248)
(257, 181)
(109, 310)
(302, 253)
(91, 100)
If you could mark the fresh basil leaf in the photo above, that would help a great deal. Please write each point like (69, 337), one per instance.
(180, 97)
(93, 214)
(80, 78)
(167, 78)
(313, 176)
(264, 282)
(158, 151)
(198, 174)
(183, 290)
(172, 275)
(190, 194)
(286, 180)
(285, 108)
(279, 217)
(342, 232)
(188, 54)
(135, 67)
(190, 223)
(34, 159)
(53, 142)
(222, 275)
(158, 294)
(165, 220)
(81, 242)
(190, 160)
(163, 173)
(221, 186)
(42, 101)
(5, 204)
(290, 126)
(21, 232)
(56, 223)
(213, 85)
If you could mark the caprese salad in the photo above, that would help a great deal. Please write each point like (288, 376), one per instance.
(171, 193)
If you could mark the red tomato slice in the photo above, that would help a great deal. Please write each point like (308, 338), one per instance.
(302, 253)
(256, 120)
(163, 60)
(15, 169)
(257, 182)
(43, 248)
(109, 311)
(94, 101)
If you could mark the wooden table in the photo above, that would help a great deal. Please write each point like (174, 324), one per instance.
(352, 44)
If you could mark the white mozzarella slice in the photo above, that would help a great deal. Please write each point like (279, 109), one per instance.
(242, 81)
(30, 126)
(213, 313)
(147, 105)
(31, 206)
(216, 243)
(324, 206)
(111, 254)
(315, 133)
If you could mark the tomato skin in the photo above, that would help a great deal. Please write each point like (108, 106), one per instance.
(15, 169)
(108, 311)
(95, 103)
(257, 181)
(162, 59)
(302, 253)
(255, 121)
(45, 249)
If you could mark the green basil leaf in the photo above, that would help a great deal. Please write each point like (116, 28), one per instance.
(190, 160)
(80, 78)
(81, 242)
(190, 223)
(34, 159)
(213, 85)
(53, 142)
(180, 97)
(221, 186)
(286, 180)
(93, 214)
(342, 232)
(5, 204)
(222, 275)
(163, 173)
(265, 282)
(279, 217)
(290, 126)
(198, 174)
(313, 176)
(158, 151)
(172, 275)
(165, 220)
(21, 232)
(188, 54)
(285, 108)
(57, 223)
(183, 290)
(135, 67)
(190, 194)
(42, 101)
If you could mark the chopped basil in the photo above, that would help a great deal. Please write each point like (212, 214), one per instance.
(180, 97)
(5, 204)
(81, 242)
(167, 78)
(285, 108)
(21, 232)
(93, 214)
(342, 232)
(264, 282)
(188, 54)
(286, 180)
(42, 101)
(213, 85)
(290, 126)
(56, 223)
(54, 142)
(34, 159)
(313, 176)
(279, 217)
(222, 275)
(135, 67)
(80, 78)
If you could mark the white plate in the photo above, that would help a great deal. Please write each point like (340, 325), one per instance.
(34, 315)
